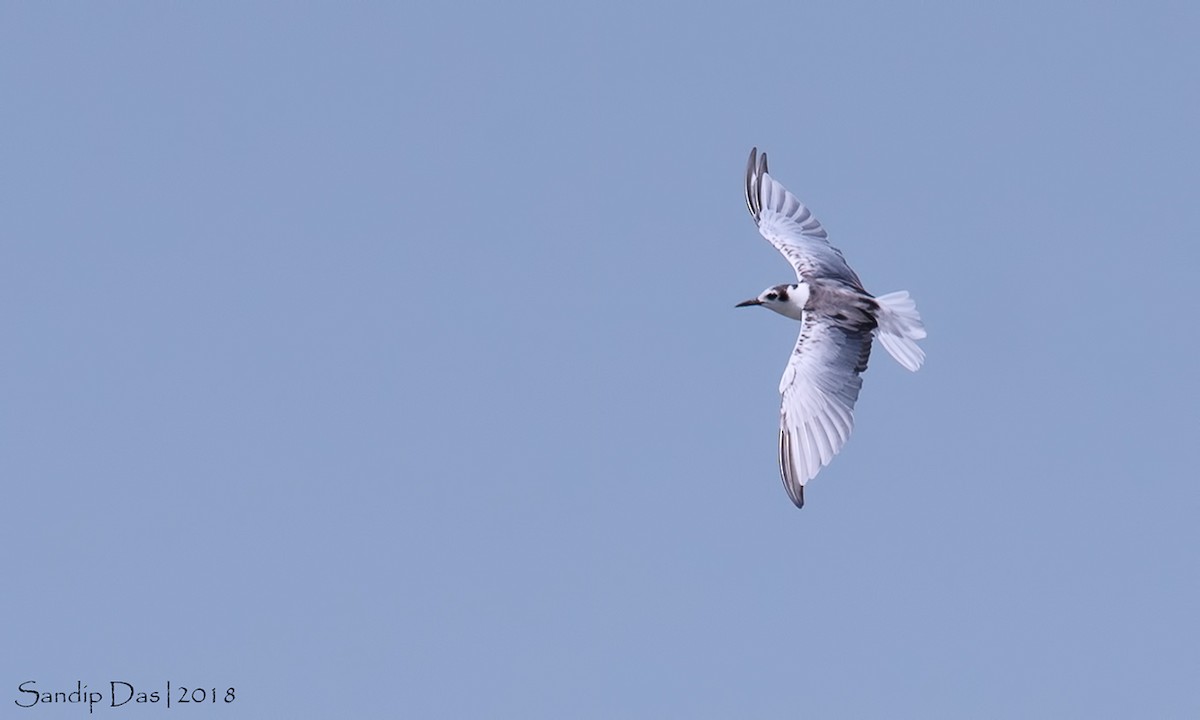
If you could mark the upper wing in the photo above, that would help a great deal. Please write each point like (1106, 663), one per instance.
(790, 226)
(819, 388)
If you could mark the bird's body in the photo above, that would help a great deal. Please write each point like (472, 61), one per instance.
(839, 320)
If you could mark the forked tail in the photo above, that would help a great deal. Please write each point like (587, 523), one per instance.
(900, 328)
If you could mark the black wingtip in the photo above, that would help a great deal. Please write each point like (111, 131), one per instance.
(794, 489)
(751, 185)
(756, 167)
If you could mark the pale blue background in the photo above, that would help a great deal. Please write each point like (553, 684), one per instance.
(380, 360)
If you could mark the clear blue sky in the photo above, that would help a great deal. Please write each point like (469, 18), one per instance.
(380, 360)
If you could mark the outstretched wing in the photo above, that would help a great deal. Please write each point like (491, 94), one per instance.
(819, 388)
(790, 226)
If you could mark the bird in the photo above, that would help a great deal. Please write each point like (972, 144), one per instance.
(839, 320)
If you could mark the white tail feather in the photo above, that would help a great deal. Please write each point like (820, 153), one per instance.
(900, 328)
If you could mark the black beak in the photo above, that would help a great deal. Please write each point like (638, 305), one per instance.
(748, 303)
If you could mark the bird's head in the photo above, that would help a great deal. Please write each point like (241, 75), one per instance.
(787, 300)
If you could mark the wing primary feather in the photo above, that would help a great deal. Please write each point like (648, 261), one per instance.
(750, 194)
(787, 470)
(783, 457)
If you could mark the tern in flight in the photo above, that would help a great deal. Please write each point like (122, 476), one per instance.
(838, 321)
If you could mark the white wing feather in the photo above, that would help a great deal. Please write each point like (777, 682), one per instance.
(791, 228)
(819, 389)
